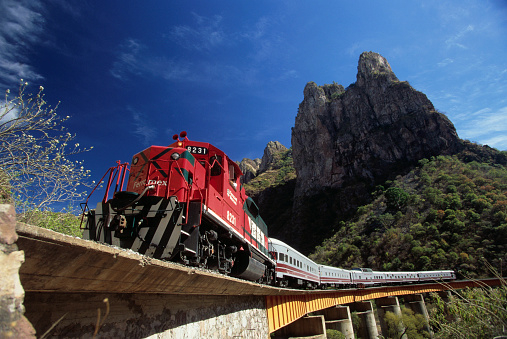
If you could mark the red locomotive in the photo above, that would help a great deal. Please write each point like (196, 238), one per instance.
(184, 202)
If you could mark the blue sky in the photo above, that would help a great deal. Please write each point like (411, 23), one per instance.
(133, 73)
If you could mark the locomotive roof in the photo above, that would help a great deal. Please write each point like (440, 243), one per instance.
(212, 150)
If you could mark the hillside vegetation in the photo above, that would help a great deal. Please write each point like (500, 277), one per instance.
(281, 170)
(444, 214)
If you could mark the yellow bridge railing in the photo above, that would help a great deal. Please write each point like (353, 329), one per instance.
(285, 309)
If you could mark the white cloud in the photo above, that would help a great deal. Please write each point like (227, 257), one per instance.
(287, 75)
(261, 44)
(259, 29)
(127, 61)
(487, 126)
(492, 119)
(142, 128)
(354, 50)
(21, 28)
(205, 35)
(445, 62)
(498, 142)
(7, 113)
(456, 40)
(134, 58)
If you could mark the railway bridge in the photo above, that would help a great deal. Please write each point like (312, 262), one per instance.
(78, 288)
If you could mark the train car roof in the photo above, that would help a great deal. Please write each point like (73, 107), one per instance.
(281, 243)
(362, 269)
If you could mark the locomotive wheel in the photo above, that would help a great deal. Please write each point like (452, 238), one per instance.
(283, 283)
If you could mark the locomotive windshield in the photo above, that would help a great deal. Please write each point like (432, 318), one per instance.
(252, 208)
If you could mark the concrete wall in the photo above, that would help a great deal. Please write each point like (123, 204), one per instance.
(148, 315)
(366, 313)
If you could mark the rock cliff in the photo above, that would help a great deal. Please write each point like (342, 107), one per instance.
(345, 141)
(367, 131)
(249, 168)
(271, 155)
(253, 168)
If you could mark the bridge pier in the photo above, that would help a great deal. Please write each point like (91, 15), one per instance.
(366, 314)
(338, 318)
(308, 326)
(416, 303)
(389, 304)
(445, 295)
(147, 315)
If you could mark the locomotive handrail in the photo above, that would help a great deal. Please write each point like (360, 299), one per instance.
(188, 186)
(111, 170)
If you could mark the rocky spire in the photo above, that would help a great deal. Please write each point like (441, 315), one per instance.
(373, 67)
(272, 150)
(366, 132)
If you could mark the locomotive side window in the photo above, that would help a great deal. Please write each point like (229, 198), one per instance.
(216, 162)
(232, 175)
(252, 208)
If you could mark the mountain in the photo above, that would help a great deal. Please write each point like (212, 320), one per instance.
(362, 134)
(249, 168)
(275, 168)
(345, 143)
(272, 154)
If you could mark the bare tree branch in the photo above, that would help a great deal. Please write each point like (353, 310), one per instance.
(35, 151)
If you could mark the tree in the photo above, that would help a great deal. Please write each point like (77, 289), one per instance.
(35, 149)
(413, 324)
(471, 313)
(396, 197)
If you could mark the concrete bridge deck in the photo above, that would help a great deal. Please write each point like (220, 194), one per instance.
(55, 262)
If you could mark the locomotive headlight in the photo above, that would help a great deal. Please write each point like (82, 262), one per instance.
(135, 160)
(175, 156)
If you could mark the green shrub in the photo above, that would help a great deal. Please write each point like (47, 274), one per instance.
(62, 222)
(334, 334)
(471, 313)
